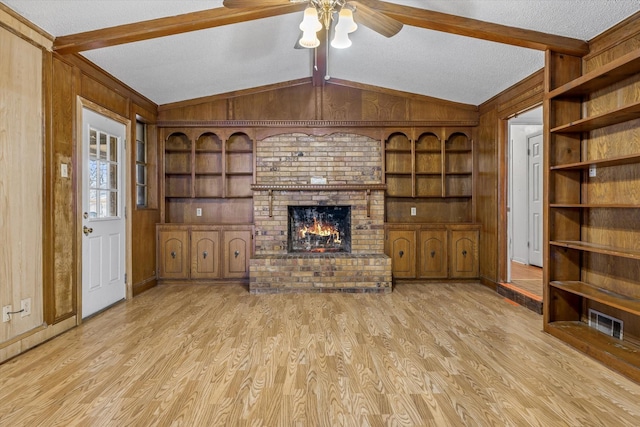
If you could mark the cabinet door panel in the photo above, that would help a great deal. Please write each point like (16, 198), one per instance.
(205, 254)
(433, 254)
(237, 252)
(400, 246)
(464, 253)
(173, 254)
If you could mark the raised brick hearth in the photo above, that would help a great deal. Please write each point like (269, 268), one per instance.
(351, 165)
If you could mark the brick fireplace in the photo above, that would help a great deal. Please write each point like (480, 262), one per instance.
(337, 170)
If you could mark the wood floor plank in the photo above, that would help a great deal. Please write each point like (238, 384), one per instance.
(426, 354)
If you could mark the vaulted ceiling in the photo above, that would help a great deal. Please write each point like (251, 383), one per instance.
(459, 50)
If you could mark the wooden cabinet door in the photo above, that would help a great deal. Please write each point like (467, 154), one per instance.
(433, 254)
(236, 254)
(464, 254)
(173, 254)
(205, 254)
(400, 246)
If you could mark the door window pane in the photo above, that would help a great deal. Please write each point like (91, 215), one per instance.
(103, 173)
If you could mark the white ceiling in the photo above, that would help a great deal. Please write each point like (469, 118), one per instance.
(257, 53)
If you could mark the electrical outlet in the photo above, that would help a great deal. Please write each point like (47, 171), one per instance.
(592, 171)
(6, 317)
(413, 211)
(25, 306)
(198, 211)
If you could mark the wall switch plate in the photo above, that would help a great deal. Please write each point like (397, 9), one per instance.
(413, 211)
(592, 171)
(25, 307)
(198, 211)
(6, 317)
(64, 170)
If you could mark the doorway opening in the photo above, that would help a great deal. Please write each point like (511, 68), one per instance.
(525, 204)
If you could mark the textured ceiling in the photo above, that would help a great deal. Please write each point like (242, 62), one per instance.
(256, 53)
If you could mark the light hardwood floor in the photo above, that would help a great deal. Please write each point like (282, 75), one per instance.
(194, 355)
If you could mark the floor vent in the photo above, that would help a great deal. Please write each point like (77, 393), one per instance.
(605, 324)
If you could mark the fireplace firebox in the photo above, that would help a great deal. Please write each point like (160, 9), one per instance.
(316, 229)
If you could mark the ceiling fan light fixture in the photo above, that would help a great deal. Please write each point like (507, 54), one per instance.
(341, 38)
(345, 18)
(310, 22)
(309, 40)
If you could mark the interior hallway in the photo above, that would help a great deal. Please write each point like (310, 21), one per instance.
(443, 354)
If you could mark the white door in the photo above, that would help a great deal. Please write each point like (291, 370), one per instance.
(534, 143)
(103, 223)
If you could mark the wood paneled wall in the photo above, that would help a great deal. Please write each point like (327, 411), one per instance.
(50, 145)
(492, 149)
(21, 184)
(336, 101)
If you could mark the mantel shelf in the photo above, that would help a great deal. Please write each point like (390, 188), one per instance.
(319, 187)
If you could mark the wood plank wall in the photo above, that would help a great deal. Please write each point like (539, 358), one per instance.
(64, 78)
(492, 172)
(336, 101)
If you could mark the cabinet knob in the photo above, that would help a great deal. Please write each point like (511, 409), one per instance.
(236, 253)
(433, 254)
(464, 253)
(401, 253)
(173, 254)
(204, 254)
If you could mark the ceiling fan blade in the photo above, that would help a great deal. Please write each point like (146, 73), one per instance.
(243, 4)
(377, 21)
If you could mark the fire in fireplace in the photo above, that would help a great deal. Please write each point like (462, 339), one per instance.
(319, 229)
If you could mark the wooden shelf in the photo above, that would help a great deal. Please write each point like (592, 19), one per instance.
(593, 206)
(597, 248)
(458, 150)
(458, 173)
(398, 150)
(619, 355)
(206, 151)
(208, 174)
(619, 115)
(614, 161)
(239, 173)
(438, 174)
(612, 299)
(230, 151)
(619, 69)
(177, 150)
(398, 173)
(178, 173)
(428, 151)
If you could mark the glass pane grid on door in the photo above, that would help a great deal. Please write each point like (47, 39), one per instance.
(103, 174)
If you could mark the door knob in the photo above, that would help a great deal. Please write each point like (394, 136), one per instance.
(204, 254)
(401, 253)
(87, 230)
(236, 253)
(173, 254)
(464, 253)
(433, 254)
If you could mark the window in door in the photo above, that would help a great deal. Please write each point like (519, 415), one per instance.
(103, 174)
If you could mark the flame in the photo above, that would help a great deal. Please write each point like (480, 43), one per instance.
(319, 229)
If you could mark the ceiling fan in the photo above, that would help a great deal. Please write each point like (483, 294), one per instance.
(325, 11)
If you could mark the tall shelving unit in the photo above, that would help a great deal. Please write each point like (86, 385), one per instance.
(593, 208)
(207, 213)
(429, 203)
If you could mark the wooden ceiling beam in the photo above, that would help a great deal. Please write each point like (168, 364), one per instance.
(416, 17)
(474, 28)
(162, 27)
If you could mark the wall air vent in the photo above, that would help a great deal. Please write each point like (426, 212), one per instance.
(605, 324)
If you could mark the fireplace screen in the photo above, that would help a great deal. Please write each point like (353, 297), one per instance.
(319, 229)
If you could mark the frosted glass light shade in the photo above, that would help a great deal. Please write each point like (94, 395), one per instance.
(341, 38)
(345, 18)
(310, 21)
(309, 40)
